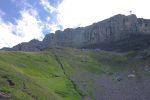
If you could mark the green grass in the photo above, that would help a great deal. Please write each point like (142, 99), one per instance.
(81, 64)
(101, 62)
(36, 76)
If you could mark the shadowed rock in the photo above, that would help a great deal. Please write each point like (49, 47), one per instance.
(4, 95)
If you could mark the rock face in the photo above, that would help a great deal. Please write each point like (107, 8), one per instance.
(119, 32)
(33, 45)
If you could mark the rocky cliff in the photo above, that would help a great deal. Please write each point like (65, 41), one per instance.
(33, 45)
(119, 32)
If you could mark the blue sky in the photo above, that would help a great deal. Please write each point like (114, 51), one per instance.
(23, 20)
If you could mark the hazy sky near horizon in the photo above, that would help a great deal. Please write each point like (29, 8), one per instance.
(23, 20)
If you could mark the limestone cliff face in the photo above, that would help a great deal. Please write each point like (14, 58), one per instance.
(33, 45)
(105, 34)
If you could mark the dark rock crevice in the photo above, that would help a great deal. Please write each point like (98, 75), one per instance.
(72, 82)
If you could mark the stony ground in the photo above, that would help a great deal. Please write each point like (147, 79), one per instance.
(107, 87)
(115, 83)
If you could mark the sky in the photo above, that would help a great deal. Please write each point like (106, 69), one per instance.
(24, 20)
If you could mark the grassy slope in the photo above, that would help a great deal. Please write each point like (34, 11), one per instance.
(82, 65)
(103, 62)
(39, 75)
(98, 62)
(36, 76)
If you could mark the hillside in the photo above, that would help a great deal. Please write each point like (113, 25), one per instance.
(33, 76)
(74, 74)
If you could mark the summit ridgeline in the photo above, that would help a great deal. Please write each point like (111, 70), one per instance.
(119, 33)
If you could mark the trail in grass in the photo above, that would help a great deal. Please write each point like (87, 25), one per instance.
(62, 67)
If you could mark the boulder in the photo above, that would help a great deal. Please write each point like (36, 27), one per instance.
(131, 76)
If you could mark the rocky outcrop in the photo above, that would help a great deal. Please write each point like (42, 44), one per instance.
(33, 45)
(114, 33)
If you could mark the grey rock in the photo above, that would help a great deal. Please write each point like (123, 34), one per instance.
(33, 45)
(146, 68)
(131, 76)
(119, 78)
(119, 33)
(106, 34)
(4, 95)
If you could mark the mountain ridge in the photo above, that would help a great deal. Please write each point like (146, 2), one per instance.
(106, 35)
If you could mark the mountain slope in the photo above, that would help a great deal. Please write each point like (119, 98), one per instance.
(102, 75)
(74, 74)
(34, 76)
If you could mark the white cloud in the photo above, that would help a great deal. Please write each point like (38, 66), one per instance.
(86, 12)
(6, 37)
(47, 6)
(22, 3)
(71, 13)
(52, 27)
(27, 28)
